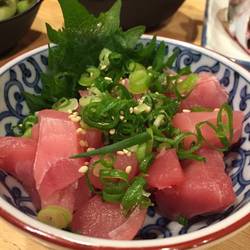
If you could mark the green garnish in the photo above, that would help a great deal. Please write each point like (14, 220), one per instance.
(186, 86)
(136, 196)
(223, 128)
(137, 139)
(55, 216)
(24, 128)
(66, 105)
(182, 220)
(79, 45)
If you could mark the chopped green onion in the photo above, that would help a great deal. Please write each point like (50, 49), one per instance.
(182, 220)
(8, 10)
(55, 216)
(146, 163)
(186, 86)
(139, 81)
(104, 58)
(225, 131)
(137, 139)
(114, 174)
(87, 79)
(25, 127)
(24, 5)
(141, 151)
(135, 196)
(133, 66)
(66, 105)
(114, 198)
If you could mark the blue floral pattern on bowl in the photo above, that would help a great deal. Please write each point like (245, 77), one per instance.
(25, 75)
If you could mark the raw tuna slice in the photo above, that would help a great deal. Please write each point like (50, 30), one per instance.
(93, 137)
(64, 198)
(137, 217)
(121, 162)
(58, 140)
(35, 132)
(206, 189)
(207, 93)
(165, 171)
(83, 194)
(101, 219)
(187, 121)
(17, 158)
(124, 161)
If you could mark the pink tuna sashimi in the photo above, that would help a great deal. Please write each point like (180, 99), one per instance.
(101, 219)
(35, 132)
(187, 121)
(17, 158)
(165, 170)
(206, 189)
(83, 193)
(128, 230)
(121, 162)
(64, 198)
(93, 137)
(207, 93)
(58, 140)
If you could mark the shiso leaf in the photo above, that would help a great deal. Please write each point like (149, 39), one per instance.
(79, 44)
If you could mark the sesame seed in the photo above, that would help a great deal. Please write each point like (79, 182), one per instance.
(76, 113)
(83, 124)
(121, 117)
(135, 110)
(108, 78)
(76, 119)
(148, 109)
(79, 130)
(131, 110)
(129, 154)
(123, 81)
(90, 149)
(186, 110)
(128, 169)
(120, 153)
(125, 151)
(216, 109)
(69, 111)
(103, 66)
(112, 131)
(71, 116)
(83, 143)
(83, 169)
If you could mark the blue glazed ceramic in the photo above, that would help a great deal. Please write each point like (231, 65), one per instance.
(24, 74)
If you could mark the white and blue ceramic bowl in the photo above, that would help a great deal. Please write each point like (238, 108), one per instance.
(23, 73)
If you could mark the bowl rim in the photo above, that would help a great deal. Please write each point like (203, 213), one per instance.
(37, 3)
(212, 233)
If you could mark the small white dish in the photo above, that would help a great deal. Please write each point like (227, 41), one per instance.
(215, 36)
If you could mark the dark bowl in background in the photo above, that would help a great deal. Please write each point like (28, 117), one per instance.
(14, 28)
(150, 13)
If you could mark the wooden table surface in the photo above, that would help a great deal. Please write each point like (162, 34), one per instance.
(185, 25)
